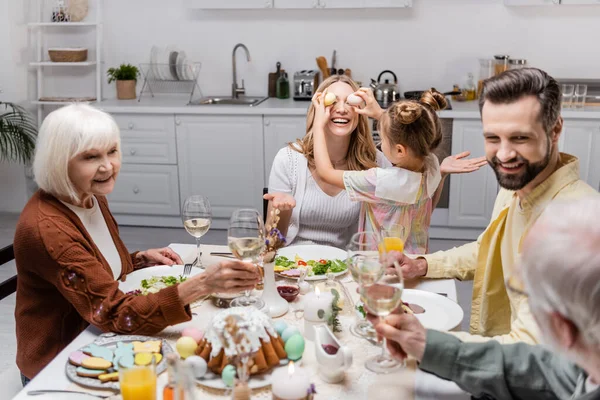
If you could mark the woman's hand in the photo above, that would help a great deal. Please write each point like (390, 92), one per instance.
(282, 201)
(225, 277)
(322, 113)
(164, 256)
(456, 164)
(371, 108)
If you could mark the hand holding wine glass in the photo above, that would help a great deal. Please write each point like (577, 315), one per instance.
(197, 216)
(246, 239)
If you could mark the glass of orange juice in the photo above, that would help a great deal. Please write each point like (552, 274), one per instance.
(392, 239)
(138, 382)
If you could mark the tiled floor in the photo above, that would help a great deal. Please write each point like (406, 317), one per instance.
(140, 238)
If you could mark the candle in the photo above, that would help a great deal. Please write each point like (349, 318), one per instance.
(318, 306)
(290, 384)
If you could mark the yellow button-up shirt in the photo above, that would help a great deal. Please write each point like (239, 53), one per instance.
(495, 312)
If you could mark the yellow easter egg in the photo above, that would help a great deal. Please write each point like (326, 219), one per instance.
(330, 98)
(186, 346)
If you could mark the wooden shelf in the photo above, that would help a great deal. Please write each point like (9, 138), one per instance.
(62, 64)
(62, 24)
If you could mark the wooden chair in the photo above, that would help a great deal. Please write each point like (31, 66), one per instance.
(9, 286)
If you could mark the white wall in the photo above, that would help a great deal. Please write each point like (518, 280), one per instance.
(435, 43)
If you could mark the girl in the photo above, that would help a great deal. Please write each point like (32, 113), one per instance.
(405, 193)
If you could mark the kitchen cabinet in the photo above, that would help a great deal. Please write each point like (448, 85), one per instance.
(296, 4)
(472, 195)
(221, 157)
(549, 2)
(147, 139)
(229, 4)
(581, 138)
(279, 130)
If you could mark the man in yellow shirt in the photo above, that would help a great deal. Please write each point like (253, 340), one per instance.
(520, 111)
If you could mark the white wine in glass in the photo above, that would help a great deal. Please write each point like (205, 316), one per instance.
(196, 215)
(246, 240)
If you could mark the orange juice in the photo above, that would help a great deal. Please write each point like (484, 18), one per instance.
(391, 244)
(138, 383)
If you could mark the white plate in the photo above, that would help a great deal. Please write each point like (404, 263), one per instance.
(214, 381)
(153, 58)
(180, 59)
(313, 252)
(441, 313)
(134, 279)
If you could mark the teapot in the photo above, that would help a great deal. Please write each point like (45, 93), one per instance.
(385, 93)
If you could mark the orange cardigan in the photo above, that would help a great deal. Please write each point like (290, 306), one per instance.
(64, 284)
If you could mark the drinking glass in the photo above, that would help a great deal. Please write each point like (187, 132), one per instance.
(138, 382)
(362, 246)
(393, 238)
(246, 239)
(381, 300)
(567, 95)
(580, 95)
(197, 216)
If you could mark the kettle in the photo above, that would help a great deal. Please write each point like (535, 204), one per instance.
(385, 93)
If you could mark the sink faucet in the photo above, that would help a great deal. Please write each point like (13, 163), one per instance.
(235, 90)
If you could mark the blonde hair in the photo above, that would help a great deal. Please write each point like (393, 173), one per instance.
(415, 124)
(66, 132)
(362, 153)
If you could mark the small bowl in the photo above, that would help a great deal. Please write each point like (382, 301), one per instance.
(288, 290)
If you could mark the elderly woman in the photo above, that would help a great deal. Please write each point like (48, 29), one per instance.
(69, 255)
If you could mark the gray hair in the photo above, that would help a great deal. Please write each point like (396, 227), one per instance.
(512, 85)
(561, 264)
(66, 132)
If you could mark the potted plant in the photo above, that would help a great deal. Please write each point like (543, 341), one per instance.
(126, 76)
(18, 131)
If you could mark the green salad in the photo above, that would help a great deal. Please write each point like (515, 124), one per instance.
(314, 267)
(156, 283)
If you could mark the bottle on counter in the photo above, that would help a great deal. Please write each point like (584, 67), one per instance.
(283, 86)
(501, 64)
(517, 63)
(486, 70)
(469, 90)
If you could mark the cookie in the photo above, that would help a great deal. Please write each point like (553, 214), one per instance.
(98, 351)
(143, 359)
(127, 361)
(89, 373)
(96, 363)
(77, 357)
(123, 350)
(110, 377)
(150, 346)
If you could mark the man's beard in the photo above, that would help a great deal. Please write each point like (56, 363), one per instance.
(519, 181)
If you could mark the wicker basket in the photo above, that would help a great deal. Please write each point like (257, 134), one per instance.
(68, 55)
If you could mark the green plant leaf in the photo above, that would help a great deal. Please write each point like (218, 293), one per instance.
(125, 72)
(18, 132)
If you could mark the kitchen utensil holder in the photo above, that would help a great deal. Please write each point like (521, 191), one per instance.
(153, 75)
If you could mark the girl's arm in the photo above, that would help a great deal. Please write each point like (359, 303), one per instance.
(456, 165)
(323, 164)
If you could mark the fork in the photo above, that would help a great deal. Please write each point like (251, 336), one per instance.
(187, 268)
(38, 392)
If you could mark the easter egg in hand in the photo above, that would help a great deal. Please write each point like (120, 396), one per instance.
(197, 365)
(186, 346)
(194, 333)
(330, 98)
(354, 100)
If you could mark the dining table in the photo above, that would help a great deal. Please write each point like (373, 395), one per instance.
(359, 383)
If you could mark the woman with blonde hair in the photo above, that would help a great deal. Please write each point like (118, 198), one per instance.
(69, 254)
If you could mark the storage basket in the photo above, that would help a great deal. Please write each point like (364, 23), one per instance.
(68, 55)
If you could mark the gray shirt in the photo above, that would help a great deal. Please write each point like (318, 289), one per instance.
(512, 371)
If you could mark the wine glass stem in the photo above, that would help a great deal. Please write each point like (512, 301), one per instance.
(199, 264)
(384, 350)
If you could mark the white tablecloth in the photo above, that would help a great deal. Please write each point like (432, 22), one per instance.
(359, 383)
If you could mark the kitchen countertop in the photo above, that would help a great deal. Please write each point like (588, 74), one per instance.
(166, 104)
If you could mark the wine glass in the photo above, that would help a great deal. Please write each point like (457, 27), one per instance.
(381, 299)
(197, 216)
(363, 246)
(246, 239)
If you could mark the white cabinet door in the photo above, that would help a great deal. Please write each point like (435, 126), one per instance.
(229, 4)
(472, 196)
(221, 157)
(388, 3)
(296, 3)
(342, 3)
(278, 132)
(531, 2)
(147, 190)
(581, 138)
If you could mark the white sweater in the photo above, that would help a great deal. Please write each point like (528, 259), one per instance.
(290, 174)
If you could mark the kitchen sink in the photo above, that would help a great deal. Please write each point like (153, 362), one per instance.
(223, 100)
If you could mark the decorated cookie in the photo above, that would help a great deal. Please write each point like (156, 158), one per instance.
(96, 363)
(146, 358)
(98, 351)
(77, 357)
(123, 351)
(150, 346)
(110, 377)
(127, 361)
(89, 373)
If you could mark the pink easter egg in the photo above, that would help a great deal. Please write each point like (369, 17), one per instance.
(194, 333)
